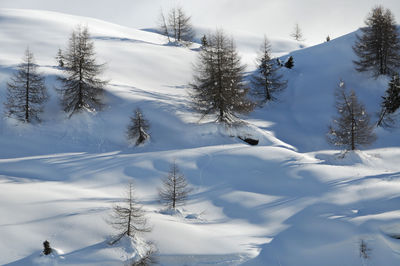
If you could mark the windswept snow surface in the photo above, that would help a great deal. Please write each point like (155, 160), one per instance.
(288, 201)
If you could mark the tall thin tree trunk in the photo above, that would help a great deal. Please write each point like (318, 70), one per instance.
(174, 195)
(80, 94)
(27, 93)
(353, 128)
(130, 211)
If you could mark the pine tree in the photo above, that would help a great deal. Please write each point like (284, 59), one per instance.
(138, 128)
(297, 34)
(390, 103)
(289, 63)
(218, 86)
(128, 218)
(266, 82)
(378, 48)
(352, 128)
(177, 25)
(26, 92)
(82, 89)
(328, 38)
(174, 190)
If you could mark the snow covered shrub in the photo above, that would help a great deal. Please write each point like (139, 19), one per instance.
(138, 128)
(365, 251)
(289, 63)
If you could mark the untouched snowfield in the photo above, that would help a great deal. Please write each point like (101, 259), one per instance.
(291, 200)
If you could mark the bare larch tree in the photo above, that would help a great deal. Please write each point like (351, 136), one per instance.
(175, 189)
(177, 25)
(378, 48)
(352, 128)
(26, 92)
(82, 89)
(297, 34)
(218, 86)
(128, 218)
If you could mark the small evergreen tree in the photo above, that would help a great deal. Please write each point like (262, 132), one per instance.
(328, 38)
(60, 58)
(174, 190)
(46, 248)
(352, 128)
(128, 218)
(266, 82)
(204, 42)
(289, 63)
(218, 86)
(390, 103)
(297, 34)
(26, 92)
(138, 128)
(378, 48)
(82, 89)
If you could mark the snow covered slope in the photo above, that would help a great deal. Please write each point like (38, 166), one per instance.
(290, 202)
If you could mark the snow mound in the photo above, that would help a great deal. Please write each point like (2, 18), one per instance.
(182, 213)
(355, 157)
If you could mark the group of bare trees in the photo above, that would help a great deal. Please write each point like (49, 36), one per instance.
(81, 88)
(176, 26)
(129, 219)
(219, 87)
(378, 52)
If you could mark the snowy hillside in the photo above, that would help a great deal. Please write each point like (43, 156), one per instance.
(288, 201)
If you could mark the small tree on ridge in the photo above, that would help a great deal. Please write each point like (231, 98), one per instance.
(266, 82)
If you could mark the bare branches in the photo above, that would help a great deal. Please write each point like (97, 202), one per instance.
(176, 25)
(26, 92)
(265, 81)
(218, 86)
(81, 87)
(174, 190)
(352, 128)
(129, 218)
(378, 48)
(297, 34)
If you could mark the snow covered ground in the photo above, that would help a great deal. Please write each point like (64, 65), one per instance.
(291, 200)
